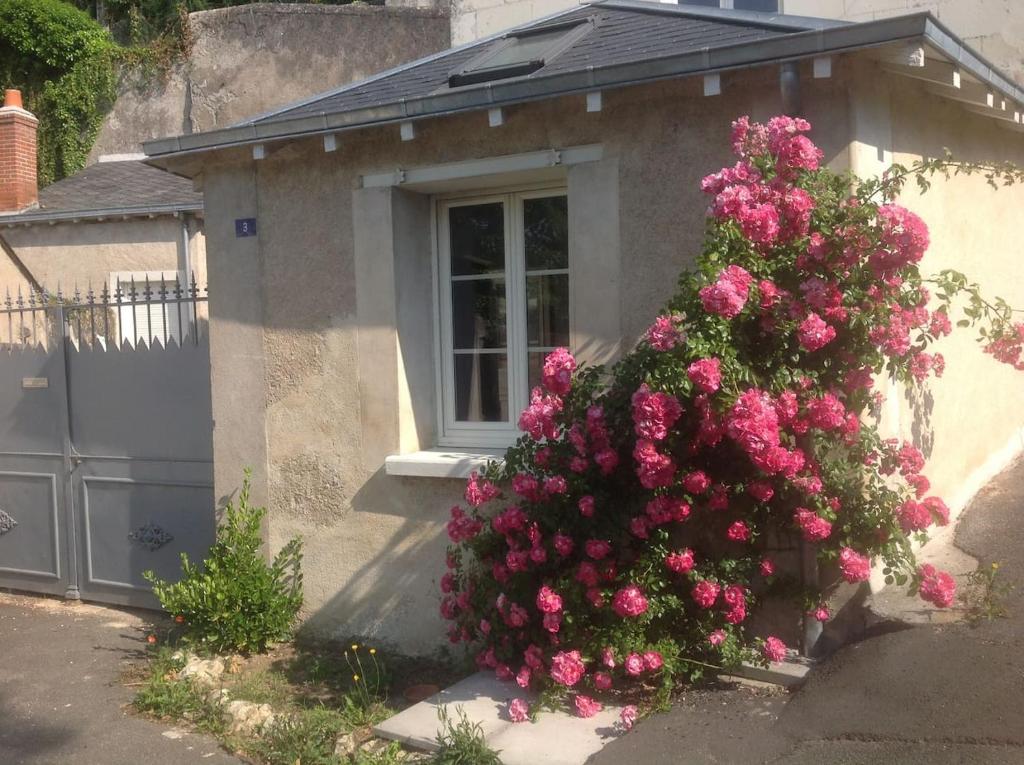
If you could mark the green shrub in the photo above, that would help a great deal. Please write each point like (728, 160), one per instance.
(236, 601)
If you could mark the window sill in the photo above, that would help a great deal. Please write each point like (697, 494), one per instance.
(441, 463)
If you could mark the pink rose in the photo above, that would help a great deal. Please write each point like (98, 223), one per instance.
(557, 372)
(634, 664)
(602, 681)
(767, 567)
(814, 333)
(567, 668)
(681, 562)
(814, 527)
(774, 649)
(628, 716)
(665, 333)
(608, 658)
(653, 661)
(586, 506)
(563, 544)
(706, 374)
(518, 710)
(629, 601)
(705, 593)
(854, 566)
(586, 706)
(937, 587)
(523, 677)
(717, 637)
(696, 482)
(549, 601)
(738, 532)
(598, 548)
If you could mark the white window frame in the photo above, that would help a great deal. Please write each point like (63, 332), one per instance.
(487, 434)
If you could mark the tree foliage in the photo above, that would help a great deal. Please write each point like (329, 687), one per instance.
(64, 62)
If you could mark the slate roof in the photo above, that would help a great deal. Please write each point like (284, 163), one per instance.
(112, 188)
(620, 35)
(631, 41)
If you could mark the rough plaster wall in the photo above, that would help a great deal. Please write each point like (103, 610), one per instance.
(374, 543)
(250, 59)
(976, 408)
(86, 253)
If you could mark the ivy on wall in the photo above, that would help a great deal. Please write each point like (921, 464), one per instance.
(65, 63)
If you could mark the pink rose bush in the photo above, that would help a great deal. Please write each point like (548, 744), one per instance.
(622, 543)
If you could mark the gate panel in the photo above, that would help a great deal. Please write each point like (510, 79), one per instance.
(106, 439)
(141, 425)
(33, 511)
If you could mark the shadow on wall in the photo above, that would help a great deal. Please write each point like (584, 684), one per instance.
(395, 589)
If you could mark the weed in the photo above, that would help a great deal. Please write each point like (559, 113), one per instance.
(262, 687)
(306, 736)
(462, 742)
(389, 755)
(984, 600)
(164, 695)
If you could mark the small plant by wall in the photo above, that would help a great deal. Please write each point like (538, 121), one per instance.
(235, 601)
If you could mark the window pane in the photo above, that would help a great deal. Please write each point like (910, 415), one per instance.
(477, 238)
(707, 3)
(535, 367)
(526, 48)
(547, 310)
(481, 387)
(478, 314)
(770, 6)
(546, 234)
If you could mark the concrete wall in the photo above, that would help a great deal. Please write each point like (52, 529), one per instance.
(311, 385)
(87, 253)
(994, 27)
(249, 59)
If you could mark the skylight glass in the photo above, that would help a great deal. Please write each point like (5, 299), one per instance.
(519, 53)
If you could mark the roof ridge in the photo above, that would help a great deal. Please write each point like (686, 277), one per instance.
(727, 15)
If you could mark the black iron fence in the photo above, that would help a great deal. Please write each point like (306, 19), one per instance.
(146, 311)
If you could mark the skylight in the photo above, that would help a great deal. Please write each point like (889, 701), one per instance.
(520, 53)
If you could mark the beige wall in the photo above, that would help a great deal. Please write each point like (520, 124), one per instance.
(993, 27)
(970, 421)
(84, 253)
(291, 357)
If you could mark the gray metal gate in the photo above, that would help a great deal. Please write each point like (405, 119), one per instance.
(106, 454)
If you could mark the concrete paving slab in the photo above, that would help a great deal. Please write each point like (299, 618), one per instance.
(557, 738)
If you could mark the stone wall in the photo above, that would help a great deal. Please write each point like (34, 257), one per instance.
(249, 59)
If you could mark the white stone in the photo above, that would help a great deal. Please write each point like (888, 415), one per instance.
(203, 671)
(247, 718)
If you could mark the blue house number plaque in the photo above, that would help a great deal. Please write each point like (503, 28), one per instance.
(245, 227)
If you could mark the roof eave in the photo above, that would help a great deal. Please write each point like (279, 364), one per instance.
(60, 216)
(815, 42)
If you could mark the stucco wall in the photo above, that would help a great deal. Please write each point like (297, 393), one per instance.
(80, 254)
(967, 422)
(249, 59)
(286, 340)
(994, 27)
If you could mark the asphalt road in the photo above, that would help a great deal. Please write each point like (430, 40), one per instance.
(61, 702)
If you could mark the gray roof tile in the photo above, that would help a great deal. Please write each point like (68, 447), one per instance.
(116, 186)
(621, 35)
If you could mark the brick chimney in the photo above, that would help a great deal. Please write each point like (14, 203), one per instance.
(19, 189)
